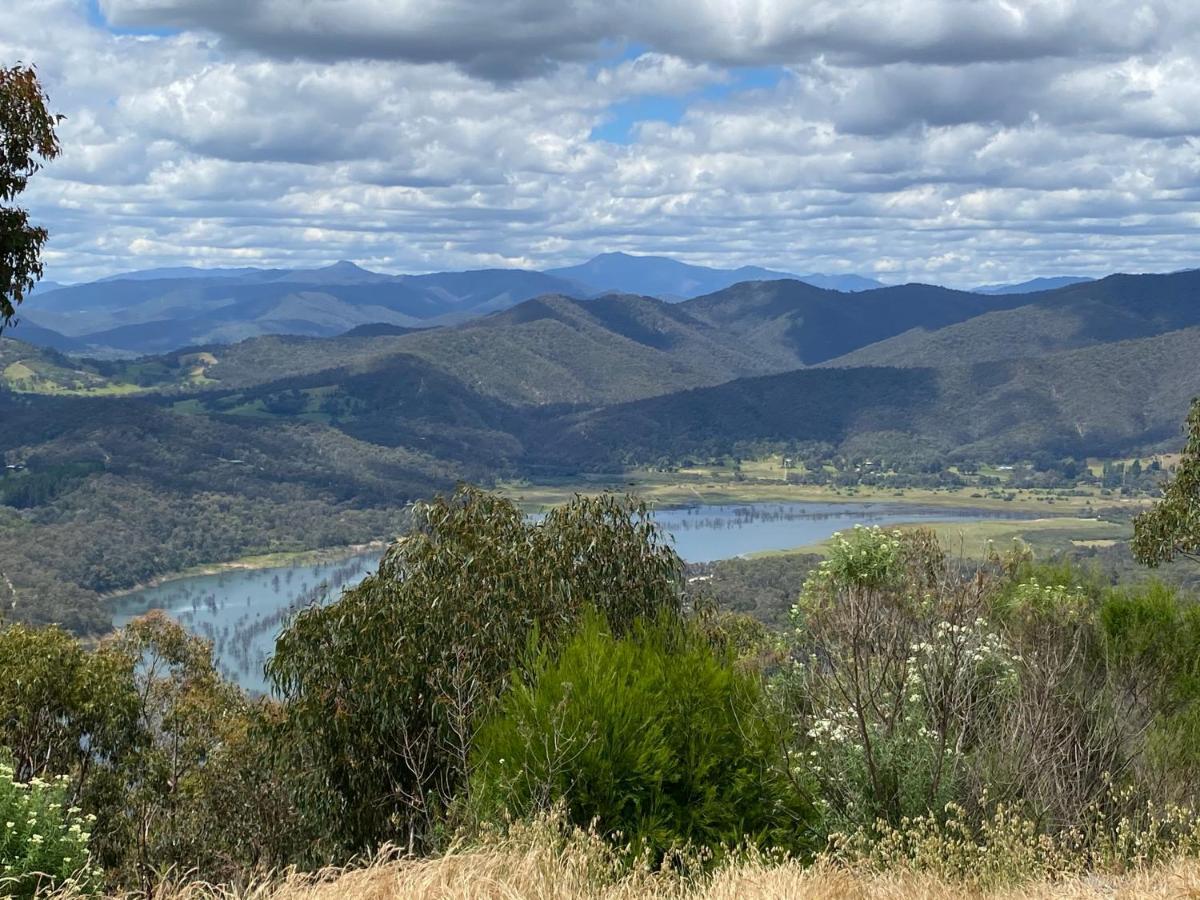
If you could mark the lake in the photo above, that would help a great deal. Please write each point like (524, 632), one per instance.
(242, 610)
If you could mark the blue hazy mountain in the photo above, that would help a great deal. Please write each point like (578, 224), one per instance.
(1033, 285)
(176, 272)
(670, 279)
(161, 309)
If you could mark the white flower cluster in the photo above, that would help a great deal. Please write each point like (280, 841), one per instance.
(40, 838)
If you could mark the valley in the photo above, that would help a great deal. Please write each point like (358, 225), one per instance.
(599, 450)
(123, 471)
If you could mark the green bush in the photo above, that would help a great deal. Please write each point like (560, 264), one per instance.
(897, 678)
(651, 739)
(1150, 637)
(43, 844)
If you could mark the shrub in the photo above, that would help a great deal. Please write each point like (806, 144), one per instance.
(43, 844)
(651, 739)
(1005, 845)
(1150, 638)
(896, 674)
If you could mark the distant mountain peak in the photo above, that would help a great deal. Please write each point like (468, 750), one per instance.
(341, 272)
(672, 279)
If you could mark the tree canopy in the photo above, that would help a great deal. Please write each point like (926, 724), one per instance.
(27, 139)
(1172, 527)
(385, 687)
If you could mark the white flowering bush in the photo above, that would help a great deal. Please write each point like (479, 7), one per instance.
(43, 842)
(869, 557)
(920, 730)
(897, 675)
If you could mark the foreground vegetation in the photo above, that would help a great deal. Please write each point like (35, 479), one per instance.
(503, 689)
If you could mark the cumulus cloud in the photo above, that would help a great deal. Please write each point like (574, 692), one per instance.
(511, 38)
(961, 141)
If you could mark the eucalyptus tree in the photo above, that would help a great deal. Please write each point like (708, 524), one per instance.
(1172, 527)
(27, 140)
(385, 687)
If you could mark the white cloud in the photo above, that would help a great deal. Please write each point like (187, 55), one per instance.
(510, 38)
(955, 140)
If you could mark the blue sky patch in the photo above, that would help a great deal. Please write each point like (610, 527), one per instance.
(622, 118)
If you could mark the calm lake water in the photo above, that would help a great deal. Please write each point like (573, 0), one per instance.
(242, 610)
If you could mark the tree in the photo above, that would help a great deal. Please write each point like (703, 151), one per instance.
(1172, 527)
(27, 138)
(384, 688)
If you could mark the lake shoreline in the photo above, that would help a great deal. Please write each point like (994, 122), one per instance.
(241, 605)
(255, 562)
(918, 507)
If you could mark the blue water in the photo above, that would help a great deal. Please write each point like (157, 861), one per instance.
(242, 610)
(705, 533)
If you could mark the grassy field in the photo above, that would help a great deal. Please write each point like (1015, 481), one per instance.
(37, 377)
(547, 873)
(714, 485)
(971, 540)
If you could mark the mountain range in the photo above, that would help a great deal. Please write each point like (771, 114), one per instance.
(564, 366)
(158, 310)
(134, 467)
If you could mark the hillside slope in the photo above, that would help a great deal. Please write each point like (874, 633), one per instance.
(1105, 399)
(1116, 308)
(553, 349)
(806, 325)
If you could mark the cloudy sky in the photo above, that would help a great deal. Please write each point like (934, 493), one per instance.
(953, 141)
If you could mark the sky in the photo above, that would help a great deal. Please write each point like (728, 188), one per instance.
(959, 142)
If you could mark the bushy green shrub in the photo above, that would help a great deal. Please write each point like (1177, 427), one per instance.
(43, 843)
(1150, 637)
(651, 739)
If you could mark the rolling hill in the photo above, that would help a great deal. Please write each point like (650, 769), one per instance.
(140, 315)
(795, 324)
(1106, 399)
(1115, 308)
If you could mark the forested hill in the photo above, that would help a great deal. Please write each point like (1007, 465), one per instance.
(1116, 308)
(1103, 400)
(808, 325)
(128, 469)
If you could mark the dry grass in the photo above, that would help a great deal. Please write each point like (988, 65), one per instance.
(542, 872)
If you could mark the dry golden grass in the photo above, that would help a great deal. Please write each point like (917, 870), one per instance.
(565, 873)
